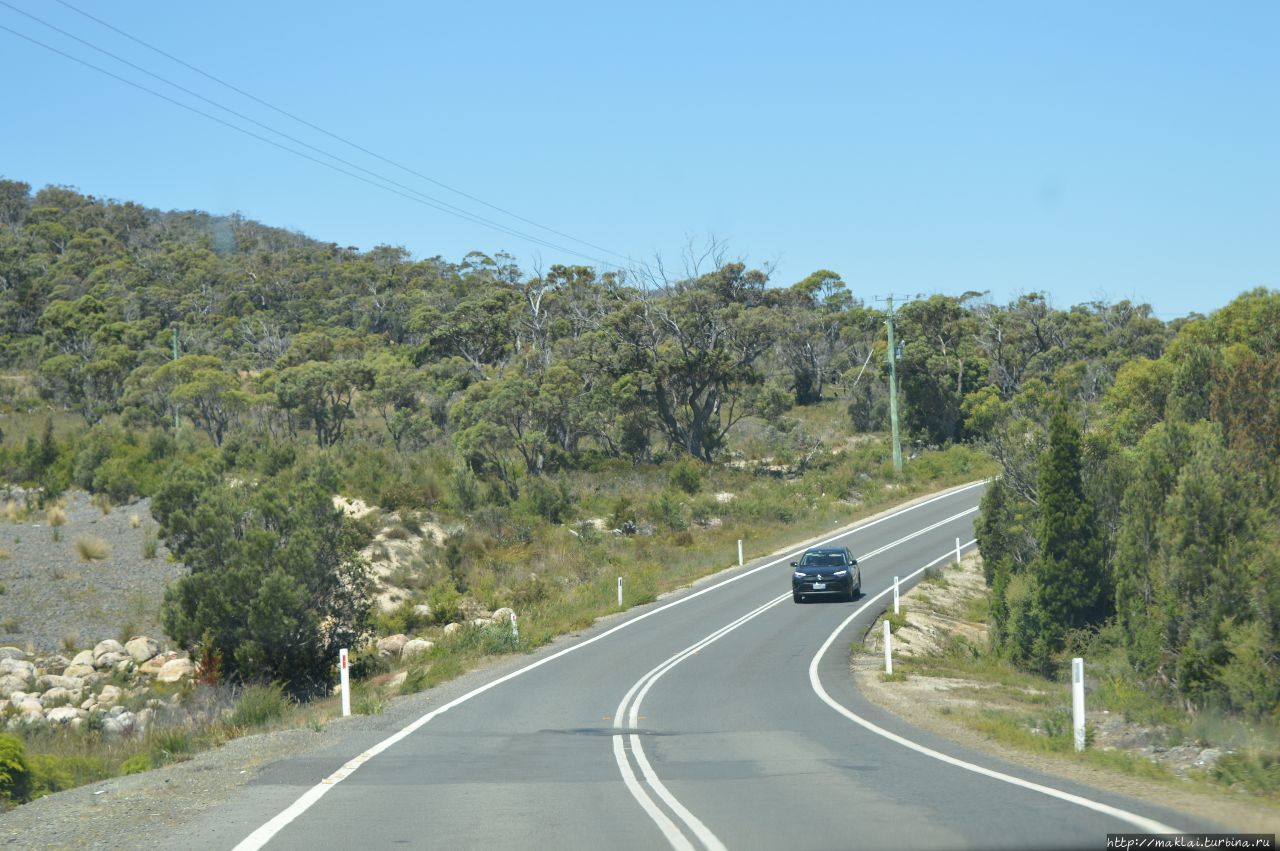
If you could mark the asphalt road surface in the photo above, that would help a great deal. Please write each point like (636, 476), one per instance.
(722, 717)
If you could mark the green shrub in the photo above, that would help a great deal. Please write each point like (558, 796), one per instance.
(171, 745)
(400, 619)
(497, 640)
(366, 699)
(1256, 772)
(665, 509)
(260, 705)
(548, 501)
(686, 475)
(49, 774)
(136, 764)
(15, 774)
(445, 603)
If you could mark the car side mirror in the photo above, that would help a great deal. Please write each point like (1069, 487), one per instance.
(795, 564)
(854, 562)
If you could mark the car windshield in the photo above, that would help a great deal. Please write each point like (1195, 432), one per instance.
(822, 560)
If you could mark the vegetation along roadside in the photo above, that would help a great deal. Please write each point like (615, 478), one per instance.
(339, 448)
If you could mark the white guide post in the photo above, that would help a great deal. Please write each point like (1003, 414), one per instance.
(739, 552)
(345, 679)
(895, 595)
(619, 592)
(888, 649)
(957, 550)
(1077, 700)
(515, 630)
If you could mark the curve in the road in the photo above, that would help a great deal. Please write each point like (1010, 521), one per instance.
(265, 832)
(1142, 823)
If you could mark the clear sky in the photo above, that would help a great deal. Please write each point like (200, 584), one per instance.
(1093, 150)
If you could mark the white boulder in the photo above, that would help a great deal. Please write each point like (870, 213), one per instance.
(59, 696)
(174, 670)
(11, 684)
(503, 615)
(110, 659)
(416, 647)
(63, 715)
(78, 671)
(109, 696)
(107, 645)
(84, 657)
(17, 668)
(12, 653)
(54, 664)
(392, 644)
(452, 628)
(49, 681)
(142, 648)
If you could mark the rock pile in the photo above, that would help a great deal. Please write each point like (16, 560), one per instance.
(105, 688)
(403, 647)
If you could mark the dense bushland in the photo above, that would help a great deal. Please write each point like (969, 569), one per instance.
(1139, 516)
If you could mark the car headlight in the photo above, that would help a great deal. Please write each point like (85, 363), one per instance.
(841, 573)
(798, 575)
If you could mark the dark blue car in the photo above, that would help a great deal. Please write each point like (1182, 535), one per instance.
(826, 572)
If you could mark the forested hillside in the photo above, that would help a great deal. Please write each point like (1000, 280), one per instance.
(1138, 509)
(228, 369)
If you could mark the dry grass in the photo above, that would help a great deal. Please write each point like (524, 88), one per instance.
(102, 501)
(134, 521)
(92, 549)
(14, 512)
(56, 515)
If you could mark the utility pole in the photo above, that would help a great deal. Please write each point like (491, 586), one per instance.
(893, 394)
(176, 422)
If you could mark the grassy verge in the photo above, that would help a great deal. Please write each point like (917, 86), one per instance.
(942, 635)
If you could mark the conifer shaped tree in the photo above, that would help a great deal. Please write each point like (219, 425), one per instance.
(1070, 574)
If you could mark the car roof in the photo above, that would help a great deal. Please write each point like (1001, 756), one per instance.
(825, 550)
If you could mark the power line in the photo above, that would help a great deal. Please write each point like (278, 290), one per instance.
(416, 196)
(335, 136)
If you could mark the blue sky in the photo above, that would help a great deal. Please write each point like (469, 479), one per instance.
(1089, 150)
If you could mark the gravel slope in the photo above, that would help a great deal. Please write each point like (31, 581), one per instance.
(52, 596)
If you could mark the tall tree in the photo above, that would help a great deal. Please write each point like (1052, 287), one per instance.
(1071, 581)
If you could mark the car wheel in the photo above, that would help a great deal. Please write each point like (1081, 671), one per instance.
(851, 594)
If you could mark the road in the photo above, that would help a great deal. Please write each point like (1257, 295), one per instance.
(721, 717)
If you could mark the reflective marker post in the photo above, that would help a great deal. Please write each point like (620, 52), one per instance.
(739, 552)
(888, 649)
(1077, 700)
(515, 630)
(345, 679)
(895, 595)
(619, 592)
(957, 550)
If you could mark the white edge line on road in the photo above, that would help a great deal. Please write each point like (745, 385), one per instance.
(1144, 824)
(700, 830)
(263, 834)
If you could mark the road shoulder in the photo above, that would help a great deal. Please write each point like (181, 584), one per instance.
(932, 704)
